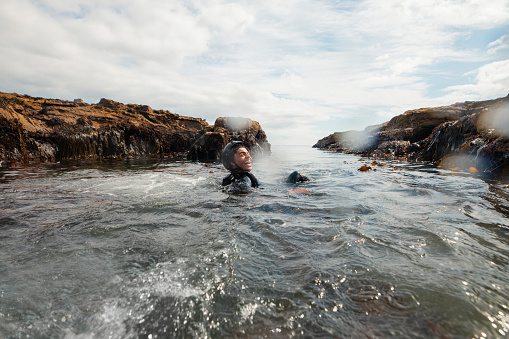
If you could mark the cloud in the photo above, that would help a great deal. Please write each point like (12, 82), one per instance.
(293, 66)
(499, 45)
(227, 21)
(400, 16)
(491, 81)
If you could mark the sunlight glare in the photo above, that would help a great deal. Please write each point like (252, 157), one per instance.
(496, 119)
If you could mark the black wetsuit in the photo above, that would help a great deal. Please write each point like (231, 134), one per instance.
(237, 176)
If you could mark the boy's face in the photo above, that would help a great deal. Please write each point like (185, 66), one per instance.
(242, 159)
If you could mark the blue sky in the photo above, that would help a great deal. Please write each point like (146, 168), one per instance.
(303, 69)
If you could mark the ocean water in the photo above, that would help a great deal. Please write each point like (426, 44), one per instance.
(158, 249)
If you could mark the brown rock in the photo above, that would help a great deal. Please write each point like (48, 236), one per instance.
(351, 141)
(208, 145)
(210, 142)
(476, 129)
(37, 129)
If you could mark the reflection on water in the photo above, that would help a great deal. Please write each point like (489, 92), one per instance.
(157, 249)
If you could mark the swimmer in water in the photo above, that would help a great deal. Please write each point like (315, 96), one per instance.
(236, 158)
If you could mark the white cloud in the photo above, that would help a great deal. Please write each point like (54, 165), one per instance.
(228, 21)
(290, 65)
(491, 81)
(499, 45)
(417, 15)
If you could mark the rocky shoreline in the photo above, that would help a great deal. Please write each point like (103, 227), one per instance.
(36, 130)
(463, 136)
(460, 136)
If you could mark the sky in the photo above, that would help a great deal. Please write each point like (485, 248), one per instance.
(302, 68)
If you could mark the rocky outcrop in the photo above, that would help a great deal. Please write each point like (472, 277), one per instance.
(351, 141)
(38, 129)
(209, 142)
(477, 130)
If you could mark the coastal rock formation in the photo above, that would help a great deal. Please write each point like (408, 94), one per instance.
(478, 131)
(38, 129)
(209, 142)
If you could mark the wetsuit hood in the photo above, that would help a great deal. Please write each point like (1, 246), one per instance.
(229, 152)
(236, 173)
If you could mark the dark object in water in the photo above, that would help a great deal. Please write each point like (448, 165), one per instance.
(236, 176)
(296, 177)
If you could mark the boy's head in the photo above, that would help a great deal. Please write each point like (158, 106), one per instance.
(235, 156)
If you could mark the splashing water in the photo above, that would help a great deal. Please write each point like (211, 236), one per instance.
(157, 249)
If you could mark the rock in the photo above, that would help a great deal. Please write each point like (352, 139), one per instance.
(473, 129)
(481, 136)
(210, 142)
(15, 143)
(364, 168)
(38, 129)
(416, 125)
(208, 146)
(351, 141)
(497, 152)
(392, 147)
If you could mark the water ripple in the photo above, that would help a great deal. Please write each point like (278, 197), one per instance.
(128, 249)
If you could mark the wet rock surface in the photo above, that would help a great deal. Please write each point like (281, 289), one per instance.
(209, 142)
(477, 131)
(38, 130)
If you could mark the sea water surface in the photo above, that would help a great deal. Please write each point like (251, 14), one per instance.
(157, 249)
